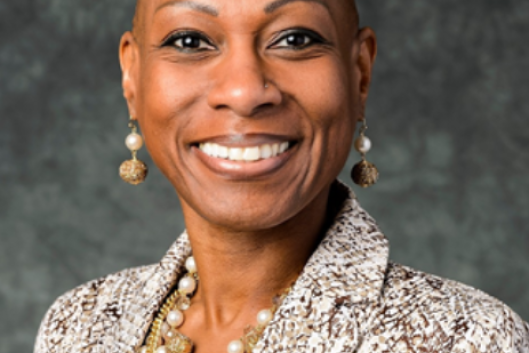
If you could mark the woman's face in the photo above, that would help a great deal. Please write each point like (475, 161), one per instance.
(247, 107)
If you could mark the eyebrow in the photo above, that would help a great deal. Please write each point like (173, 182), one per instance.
(280, 3)
(191, 5)
(207, 9)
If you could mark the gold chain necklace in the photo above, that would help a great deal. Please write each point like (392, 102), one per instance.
(164, 336)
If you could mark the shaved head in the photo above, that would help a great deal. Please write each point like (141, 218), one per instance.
(137, 21)
(141, 7)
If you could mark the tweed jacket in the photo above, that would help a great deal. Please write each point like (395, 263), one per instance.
(349, 298)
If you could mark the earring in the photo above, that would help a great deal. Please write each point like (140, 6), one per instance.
(364, 173)
(133, 171)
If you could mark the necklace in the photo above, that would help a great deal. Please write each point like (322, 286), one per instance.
(164, 336)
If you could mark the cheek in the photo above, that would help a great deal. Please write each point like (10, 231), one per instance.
(322, 88)
(161, 94)
(165, 95)
(324, 92)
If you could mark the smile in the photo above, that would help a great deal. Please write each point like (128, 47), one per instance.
(245, 157)
(245, 154)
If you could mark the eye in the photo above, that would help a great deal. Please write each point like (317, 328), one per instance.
(298, 39)
(188, 41)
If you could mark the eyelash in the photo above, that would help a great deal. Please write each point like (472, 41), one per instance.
(313, 37)
(173, 38)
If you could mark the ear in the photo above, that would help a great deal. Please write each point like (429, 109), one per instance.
(129, 61)
(367, 52)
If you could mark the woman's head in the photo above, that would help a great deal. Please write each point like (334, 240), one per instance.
(236, 77)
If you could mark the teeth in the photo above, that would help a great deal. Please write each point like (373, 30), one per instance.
(275, 149)
(251, 154)
(235, 154)
(214, 149)
(248, 154)
(223, 151)
(266, 151)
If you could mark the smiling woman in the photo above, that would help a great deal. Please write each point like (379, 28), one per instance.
(249, 109)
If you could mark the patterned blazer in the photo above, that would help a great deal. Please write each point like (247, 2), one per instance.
(349, 298)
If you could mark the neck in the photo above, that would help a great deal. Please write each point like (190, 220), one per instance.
(243, 271)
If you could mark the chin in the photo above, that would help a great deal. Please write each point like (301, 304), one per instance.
(248, 212)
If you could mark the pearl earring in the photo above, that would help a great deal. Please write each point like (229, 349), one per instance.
(133, 171)
(364, 173)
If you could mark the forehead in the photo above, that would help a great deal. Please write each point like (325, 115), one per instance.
(146, 8)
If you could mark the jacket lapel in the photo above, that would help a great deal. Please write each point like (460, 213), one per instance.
(139, 307)
(324, 310)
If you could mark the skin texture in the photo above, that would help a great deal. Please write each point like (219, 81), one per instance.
(141, 7)
(251, 233)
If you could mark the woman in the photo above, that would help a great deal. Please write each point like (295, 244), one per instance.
(249, 109)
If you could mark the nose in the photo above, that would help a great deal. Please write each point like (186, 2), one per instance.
(240, 85)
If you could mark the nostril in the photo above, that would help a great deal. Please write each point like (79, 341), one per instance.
(221, 106)
(262, 107)
(266, 105)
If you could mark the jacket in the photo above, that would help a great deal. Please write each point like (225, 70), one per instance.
(348, 298)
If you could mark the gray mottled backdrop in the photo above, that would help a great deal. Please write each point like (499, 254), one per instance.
(449, 117)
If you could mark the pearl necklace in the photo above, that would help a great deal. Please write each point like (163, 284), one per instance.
(164, 336)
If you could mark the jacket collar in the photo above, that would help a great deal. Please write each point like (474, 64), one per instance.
(351, 261)
(348, 267)
(346, 270)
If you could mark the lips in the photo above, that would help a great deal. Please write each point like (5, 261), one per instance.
(244, 156)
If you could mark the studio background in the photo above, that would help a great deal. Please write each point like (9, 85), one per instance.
(448, 115)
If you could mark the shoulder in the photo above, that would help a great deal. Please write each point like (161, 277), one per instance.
(63, 319)
(470, 319)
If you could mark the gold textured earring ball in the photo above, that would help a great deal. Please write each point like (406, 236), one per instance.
(133, 171)
(364, 173)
